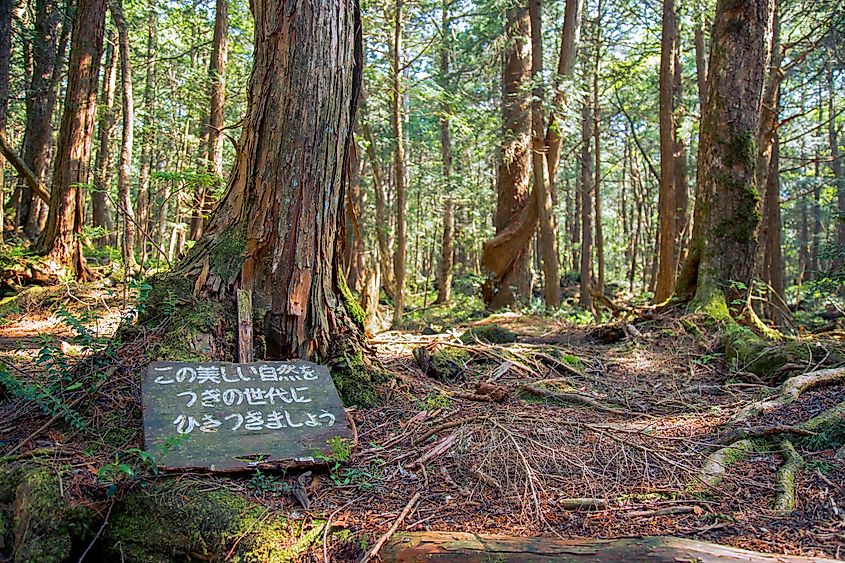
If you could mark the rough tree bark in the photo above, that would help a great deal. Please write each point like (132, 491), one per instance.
(722, 254)
(398, 161)
(277, 229)
(61, 241)
(501, 253)
(5, 57)
(353, 248)
(667, 205)
(40, 104)
(447, 254)
(513, 168)
(100, 212)
(124, 198)
(217, 87)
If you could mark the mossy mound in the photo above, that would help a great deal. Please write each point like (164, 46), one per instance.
(767, 359)
(445, 363)
(36, 524)
(490, 334)
(356, 380)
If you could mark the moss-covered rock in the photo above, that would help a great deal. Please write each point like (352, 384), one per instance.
(490, 334)
(36, 524)
(158, 523)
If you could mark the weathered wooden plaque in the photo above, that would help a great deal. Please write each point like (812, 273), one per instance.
(228, 417)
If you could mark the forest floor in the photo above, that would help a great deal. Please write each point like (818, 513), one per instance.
(625, 462)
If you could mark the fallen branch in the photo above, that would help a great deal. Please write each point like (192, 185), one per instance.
(396, 523)
(737, 434)
(575, 398)
(32, 181)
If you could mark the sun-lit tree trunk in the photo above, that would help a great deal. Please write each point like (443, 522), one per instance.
(100, 212)
(666, 198)
(721, 263)
(396, 122)
(277, 229)
(124, 197)
(447, 253)
(61, 241)
(701, 59)
(40, 103)
(512, 179)
(542, 190)
(217, 88)
(586, 268)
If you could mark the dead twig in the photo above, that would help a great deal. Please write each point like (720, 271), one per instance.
(396, 523)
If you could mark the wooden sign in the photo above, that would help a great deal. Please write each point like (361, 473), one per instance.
(225, 417)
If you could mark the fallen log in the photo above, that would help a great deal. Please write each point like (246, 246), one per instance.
(466, 547)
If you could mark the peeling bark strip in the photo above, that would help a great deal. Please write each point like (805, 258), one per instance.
(276, 229)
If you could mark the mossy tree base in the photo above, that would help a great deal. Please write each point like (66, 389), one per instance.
(152, 523)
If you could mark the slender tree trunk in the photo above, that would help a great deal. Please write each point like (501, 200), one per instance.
(836, 165)
(542, 191)
(681, 181)
(217, 88)
(724, 243)
(144, 203)
(61, 240)
(276, 231)
(774, 266)
(512, 179)
(382, 226)
(5, 56)
(354, 259)
(667, 202)
(803, 242)
(701, 59)
(597, 140)
(100, 212)
(586, 298)
(396, 121)
(124, 197)
(815, 245)
(447, 253)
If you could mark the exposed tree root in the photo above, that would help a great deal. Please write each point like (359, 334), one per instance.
(790, 391)
(793, 463)
(716, 465)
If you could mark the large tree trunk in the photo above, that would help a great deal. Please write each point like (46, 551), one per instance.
(396, 120)
(40, 103)
(217, 88)
(100, 212)
(124, 197)
(542, 188)
(276, 231)
(723, 249)
(61, 240)
(513, 170)
(447, 253)
(667, 205)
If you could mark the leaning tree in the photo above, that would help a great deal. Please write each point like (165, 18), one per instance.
(277, 230)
